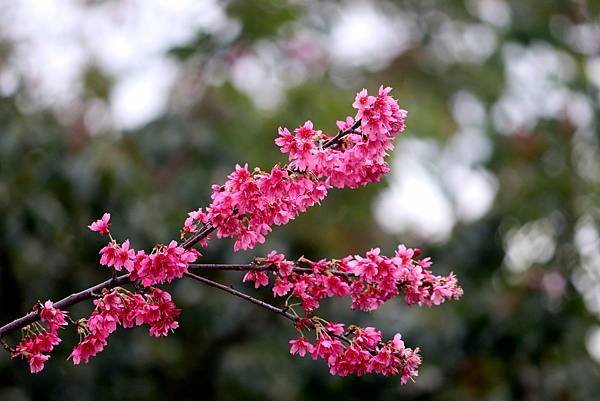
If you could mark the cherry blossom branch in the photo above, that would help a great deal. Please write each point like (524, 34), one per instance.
(256, 267)
(242, 295)
(89, 293)
(341, 134)
(280, 311)
(197, 237)
(246, 208)
(64, 303)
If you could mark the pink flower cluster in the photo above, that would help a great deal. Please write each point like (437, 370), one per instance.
(245, 208)
(251, 202)
(40, 340)
(120, 307)
(358, 158)
(365, 353)
(164, 264)
(370, 281)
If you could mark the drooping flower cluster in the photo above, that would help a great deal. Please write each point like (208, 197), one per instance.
(40, 340)
(123, 308)
(369, 281)
(364, 353)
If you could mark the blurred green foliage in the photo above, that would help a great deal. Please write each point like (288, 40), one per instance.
(509, 338)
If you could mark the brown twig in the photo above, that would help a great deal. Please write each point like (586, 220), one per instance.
(124, 279)
(256, 267)
(242, 295)
(64, 303)
(6, 346)
(197, 237)
(272, 308)
(336, 139)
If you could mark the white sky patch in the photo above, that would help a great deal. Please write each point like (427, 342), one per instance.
(534, 242)
(458, 42)
(256, 77)
(473, 191)
(414, 202)
(494, 12)
(433, 188)
(580, 111)
(585, 38)
(585, 156)
(587, 276)
(364, 35)
(470, 146)
(536, 78)
(56, 40)
(8, 81)
(467, 110)
(592, 343)
(141, 96)
(592, 71)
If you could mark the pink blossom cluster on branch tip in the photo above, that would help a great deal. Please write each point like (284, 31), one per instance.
(120, 307)
(370, 281)
(366, 353)
(39, 339)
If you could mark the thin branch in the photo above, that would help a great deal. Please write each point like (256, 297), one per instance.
(64, 303)
(197, 237)
(232, 291)
(280, 311)
(124, 279)
(336, 139)
(255, 267)
(6, 346)
(234, 267)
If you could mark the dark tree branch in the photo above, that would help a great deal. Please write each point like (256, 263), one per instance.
(341, 134)
(197, 237)
(89, 293)
(280, 311)
(64, 303)
(256, 267)
(232, 291)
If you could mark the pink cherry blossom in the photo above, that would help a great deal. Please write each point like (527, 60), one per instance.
(101, 225)
(117, 256)
(281, 287)
(54, 318)
(35, 348)
(259, 278)
(300, 346)
(36, 362)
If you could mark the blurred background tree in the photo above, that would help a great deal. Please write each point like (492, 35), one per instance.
(136, 107)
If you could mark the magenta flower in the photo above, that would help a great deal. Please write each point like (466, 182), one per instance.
(101, 225)
(300, 346)
(36, 362)
(281, 287)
